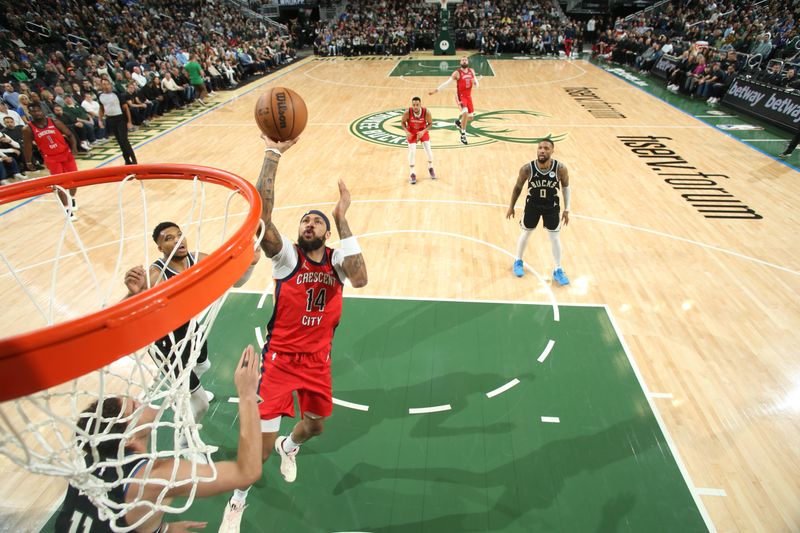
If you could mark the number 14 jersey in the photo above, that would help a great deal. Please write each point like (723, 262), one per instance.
(308, 301)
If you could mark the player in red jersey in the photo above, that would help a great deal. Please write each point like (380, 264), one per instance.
(309, 279)
(416, 123)
(57, 146)
(465, 80)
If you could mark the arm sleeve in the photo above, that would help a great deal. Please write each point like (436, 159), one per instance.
(284, 262)
(337, 259)
(445, 84)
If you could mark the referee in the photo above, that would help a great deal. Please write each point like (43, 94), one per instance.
(112, 107)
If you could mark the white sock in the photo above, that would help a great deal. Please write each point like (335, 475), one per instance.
(202, 368)
(199, 403)
(522, 242)
(555, 244)
(412, 155)
(240, 495)
(289, 445)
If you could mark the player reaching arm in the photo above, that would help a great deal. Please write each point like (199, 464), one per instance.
(353, 264)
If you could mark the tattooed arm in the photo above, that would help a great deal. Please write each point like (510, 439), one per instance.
(271, 243)
(524, 175)
(353, 266)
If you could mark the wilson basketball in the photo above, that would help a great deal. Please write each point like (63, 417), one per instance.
(281, 114)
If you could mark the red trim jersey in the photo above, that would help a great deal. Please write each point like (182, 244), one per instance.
(308, 307)
(49, 139)
(465, 82)
(417, 124)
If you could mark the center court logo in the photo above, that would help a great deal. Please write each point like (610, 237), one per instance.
(509, 125)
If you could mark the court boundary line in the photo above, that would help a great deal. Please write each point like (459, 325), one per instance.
(269, 78)
(258, 84)
(673, 448)
(694, 117)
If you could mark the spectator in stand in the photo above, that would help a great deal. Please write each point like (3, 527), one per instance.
(706, 82)
(173, 93)
(84, 125)
(92, 108)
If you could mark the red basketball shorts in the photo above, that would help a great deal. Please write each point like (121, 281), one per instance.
(61, 163)
(465, 100)
(308, 374)
(413, 138)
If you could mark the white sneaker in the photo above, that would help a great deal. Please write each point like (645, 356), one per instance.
(232, 519)
(288, 461)
(210, 396)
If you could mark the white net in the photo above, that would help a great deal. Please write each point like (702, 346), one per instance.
(136, 412)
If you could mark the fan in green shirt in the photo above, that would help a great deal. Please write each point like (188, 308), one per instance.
(195, 71)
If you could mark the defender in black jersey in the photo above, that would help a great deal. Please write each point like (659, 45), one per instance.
(79, 515)
(544, 177)
(177, 258)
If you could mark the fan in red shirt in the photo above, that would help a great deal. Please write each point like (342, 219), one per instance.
(57, 146)
(465, 80)
(309, 278)
(416, 122)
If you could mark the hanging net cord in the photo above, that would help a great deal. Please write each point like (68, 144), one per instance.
(51, 432)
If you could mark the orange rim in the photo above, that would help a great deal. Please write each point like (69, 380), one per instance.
(43, 358)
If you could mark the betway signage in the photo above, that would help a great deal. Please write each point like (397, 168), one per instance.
(664, 66)
(624, 74)
(776, 106)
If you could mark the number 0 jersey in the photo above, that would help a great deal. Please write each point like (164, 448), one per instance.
(543, 186)
(308, 305)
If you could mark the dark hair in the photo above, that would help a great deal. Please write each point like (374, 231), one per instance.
(34, 105)
(548, 140)
(161, 227)
(416, 98)
(109, 423)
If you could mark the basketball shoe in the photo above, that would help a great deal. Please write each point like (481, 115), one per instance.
(560, 277)
(288, 461)
(433, 174)
(413, 179)
(519, 269)
(463, 138)
(232, 519)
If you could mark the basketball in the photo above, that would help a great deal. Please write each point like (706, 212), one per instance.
(281, 114)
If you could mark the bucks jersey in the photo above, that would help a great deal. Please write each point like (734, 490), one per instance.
(79, 515)
(543, 186)
(165, 355)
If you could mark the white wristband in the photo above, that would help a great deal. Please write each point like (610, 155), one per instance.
(350, 247)
(273, 150)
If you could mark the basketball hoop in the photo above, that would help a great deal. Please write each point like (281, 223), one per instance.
(132, 323)
(48, 376)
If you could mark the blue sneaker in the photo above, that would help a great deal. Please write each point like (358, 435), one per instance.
(560, 277)
(519, 270)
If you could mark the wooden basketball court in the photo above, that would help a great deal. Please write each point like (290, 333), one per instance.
(688, 237)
